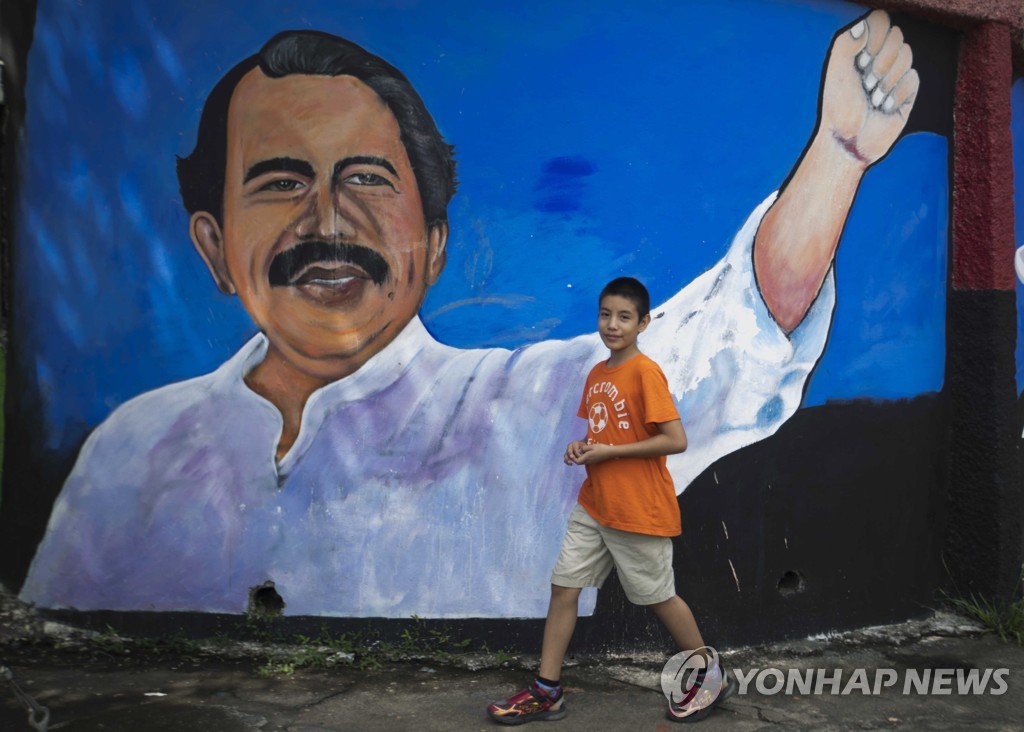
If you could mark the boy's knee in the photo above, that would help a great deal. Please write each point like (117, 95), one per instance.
(558, 592)
(666, 603)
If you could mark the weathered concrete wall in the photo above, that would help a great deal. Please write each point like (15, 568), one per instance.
(819, 488)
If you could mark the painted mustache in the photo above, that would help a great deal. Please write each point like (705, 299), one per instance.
(288, 266)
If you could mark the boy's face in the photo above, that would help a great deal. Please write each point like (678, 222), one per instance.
(619, 323)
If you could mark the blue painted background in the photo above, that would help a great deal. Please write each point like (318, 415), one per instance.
(616, 139)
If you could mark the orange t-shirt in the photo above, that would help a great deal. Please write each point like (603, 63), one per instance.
(621, 405)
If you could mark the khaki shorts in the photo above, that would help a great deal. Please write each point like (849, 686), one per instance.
(590, 550)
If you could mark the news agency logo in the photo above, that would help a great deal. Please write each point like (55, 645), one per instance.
(868, 682)
(681, 681)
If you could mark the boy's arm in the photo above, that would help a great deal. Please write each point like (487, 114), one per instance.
(671, 439)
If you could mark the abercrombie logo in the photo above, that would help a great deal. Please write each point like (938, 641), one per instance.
(599, 416)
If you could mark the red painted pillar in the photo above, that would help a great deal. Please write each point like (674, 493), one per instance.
(983, 548)
(983, 165)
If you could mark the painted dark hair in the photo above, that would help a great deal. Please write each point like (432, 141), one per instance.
(633, 290)
(201, 175)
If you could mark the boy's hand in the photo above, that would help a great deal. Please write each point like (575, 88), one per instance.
(594, 453)
(573, 452)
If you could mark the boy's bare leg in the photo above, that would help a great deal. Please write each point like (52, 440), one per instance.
(558, 629)
(675, 615)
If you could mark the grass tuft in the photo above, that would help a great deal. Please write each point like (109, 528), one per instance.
(1005, 617)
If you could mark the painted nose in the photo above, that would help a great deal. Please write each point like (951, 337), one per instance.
(329, 216)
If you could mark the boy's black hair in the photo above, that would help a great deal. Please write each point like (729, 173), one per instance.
(633, 290)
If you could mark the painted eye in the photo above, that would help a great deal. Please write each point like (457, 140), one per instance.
(285, 185)
(368, 179)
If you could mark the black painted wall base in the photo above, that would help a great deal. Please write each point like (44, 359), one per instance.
(984, 545)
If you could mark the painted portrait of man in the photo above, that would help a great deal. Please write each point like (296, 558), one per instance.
(346, 455)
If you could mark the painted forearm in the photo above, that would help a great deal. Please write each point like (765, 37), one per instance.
(797, 239)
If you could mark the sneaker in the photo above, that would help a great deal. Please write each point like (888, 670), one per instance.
(529, 705)
(701, 699)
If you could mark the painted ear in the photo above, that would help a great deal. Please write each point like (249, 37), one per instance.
(437, 251)
(209, 242)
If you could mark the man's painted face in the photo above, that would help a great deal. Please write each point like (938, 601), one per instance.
(323, 236)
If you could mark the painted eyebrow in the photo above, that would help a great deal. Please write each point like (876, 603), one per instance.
(276, 165)
(365, 160)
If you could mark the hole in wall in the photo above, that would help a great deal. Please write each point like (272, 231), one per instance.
(791, 583)
(264, 601)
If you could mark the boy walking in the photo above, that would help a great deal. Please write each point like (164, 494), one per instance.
(626, 514)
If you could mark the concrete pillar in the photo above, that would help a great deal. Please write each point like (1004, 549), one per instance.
(983, 544)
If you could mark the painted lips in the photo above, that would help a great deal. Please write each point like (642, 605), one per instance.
(328, 271)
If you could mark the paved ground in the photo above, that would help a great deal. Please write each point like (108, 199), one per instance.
(86, 689)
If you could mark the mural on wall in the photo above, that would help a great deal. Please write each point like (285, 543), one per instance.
(364, 450)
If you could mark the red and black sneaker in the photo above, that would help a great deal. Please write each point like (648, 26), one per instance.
(532, 704)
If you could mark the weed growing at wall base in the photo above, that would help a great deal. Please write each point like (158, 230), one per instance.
(1004, 617)
(366, 651)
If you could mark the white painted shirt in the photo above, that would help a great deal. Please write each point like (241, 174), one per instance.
(430, 482)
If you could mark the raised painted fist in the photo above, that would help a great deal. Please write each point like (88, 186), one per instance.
(870, 87)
